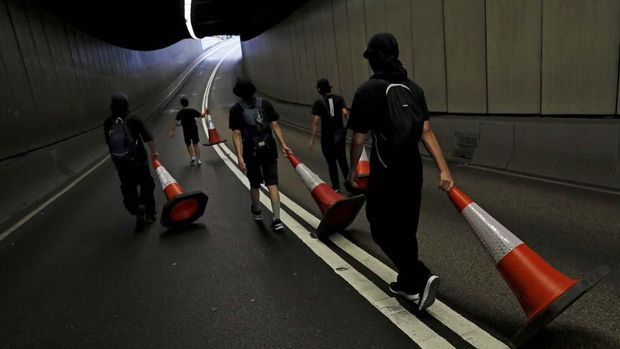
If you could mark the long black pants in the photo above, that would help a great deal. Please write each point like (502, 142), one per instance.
(393, 209)
(136, 186)
(335, 154)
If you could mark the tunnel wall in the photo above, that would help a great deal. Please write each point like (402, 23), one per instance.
(55, 88)
(481, 63)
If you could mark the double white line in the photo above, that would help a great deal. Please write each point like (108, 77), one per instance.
(419, 332)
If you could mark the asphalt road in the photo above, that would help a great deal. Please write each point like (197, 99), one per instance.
(76, 276)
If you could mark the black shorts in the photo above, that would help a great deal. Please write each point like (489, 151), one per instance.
(191, 136)
(262, 171)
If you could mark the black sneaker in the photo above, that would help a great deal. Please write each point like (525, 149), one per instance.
(150, 218)
(277, 225)
(258, 215)
(430, 292)
(140, 220)
(408, 295)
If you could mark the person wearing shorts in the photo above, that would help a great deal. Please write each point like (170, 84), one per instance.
(186, 117)
(253, 122)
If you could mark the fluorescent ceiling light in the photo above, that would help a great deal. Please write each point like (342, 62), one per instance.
(188, 18)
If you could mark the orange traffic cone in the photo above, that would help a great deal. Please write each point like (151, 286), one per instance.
(543, 291)
(363, 171)
(214, 137)
(181, 208)
(338, 211)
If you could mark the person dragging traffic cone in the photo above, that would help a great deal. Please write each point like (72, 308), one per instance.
(182, 208)
(338, 211)
(125, 135)
(252, 121)
(394, 109)
(542, 291)
(186, 118)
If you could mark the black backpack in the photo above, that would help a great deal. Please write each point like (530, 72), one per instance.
(120, 140)
(405, 120)
(257, 132)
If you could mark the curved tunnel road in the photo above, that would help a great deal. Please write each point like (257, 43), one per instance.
(75, 276)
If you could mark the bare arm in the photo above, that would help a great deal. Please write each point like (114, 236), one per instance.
(154, 153)
(430, 142)
(315, 126)
(278, 131)
(357, 144)
(174, 127)
(345, 115)
(239, 149)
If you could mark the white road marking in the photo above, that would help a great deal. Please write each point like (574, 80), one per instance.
(415, 329)
(466, 329)
(469, 331)
(50, 200)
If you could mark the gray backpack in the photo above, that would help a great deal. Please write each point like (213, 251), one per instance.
(120, 141)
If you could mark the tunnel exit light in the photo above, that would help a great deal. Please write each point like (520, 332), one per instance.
(188, 18)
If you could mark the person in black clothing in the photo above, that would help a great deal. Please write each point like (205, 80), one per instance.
(133, 171)
(252, 121)
(331, 111)
(395, 183)
(186, 118)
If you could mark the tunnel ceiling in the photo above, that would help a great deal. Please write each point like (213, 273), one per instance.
(150, 25)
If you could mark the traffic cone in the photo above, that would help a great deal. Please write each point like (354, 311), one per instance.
(363, 171)
(543, 291)
(338, 211)
(182, 208)
(214, 137)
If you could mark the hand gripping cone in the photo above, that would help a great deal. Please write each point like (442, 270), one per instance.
(182, 208)
(214, 137)
(363, 171)
(543, 291)
(338, 211)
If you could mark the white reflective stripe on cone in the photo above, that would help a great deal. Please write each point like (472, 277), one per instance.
(164, 177)
(498, 240)
(310, 179)
(364, 156)
(210, 122)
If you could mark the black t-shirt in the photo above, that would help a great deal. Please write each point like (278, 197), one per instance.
(237, 121)
(369, 112)
(187, 117)
(329, 123)
(139, 131)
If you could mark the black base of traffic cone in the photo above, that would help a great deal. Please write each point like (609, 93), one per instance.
(339, 216)
(214, 143)
(184, 209)
(558, 306)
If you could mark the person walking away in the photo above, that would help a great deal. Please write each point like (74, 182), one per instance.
(125, 135)
(186, 118)
(393, 108)
(330, 111)
(252, 121)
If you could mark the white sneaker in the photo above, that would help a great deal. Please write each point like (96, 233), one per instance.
(430, 292)
(191, 162)
(199, 162)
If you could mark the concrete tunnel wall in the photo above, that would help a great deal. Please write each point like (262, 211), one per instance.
(55, 88)
(477, 60)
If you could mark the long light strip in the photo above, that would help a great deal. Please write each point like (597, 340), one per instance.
(188, 19)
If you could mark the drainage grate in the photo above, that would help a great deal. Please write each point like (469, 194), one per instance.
(466, 144)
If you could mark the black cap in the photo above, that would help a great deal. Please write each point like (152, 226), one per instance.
(244, 88)
(382, 47)
(119, 103)
(184, 101)
(323, 86)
